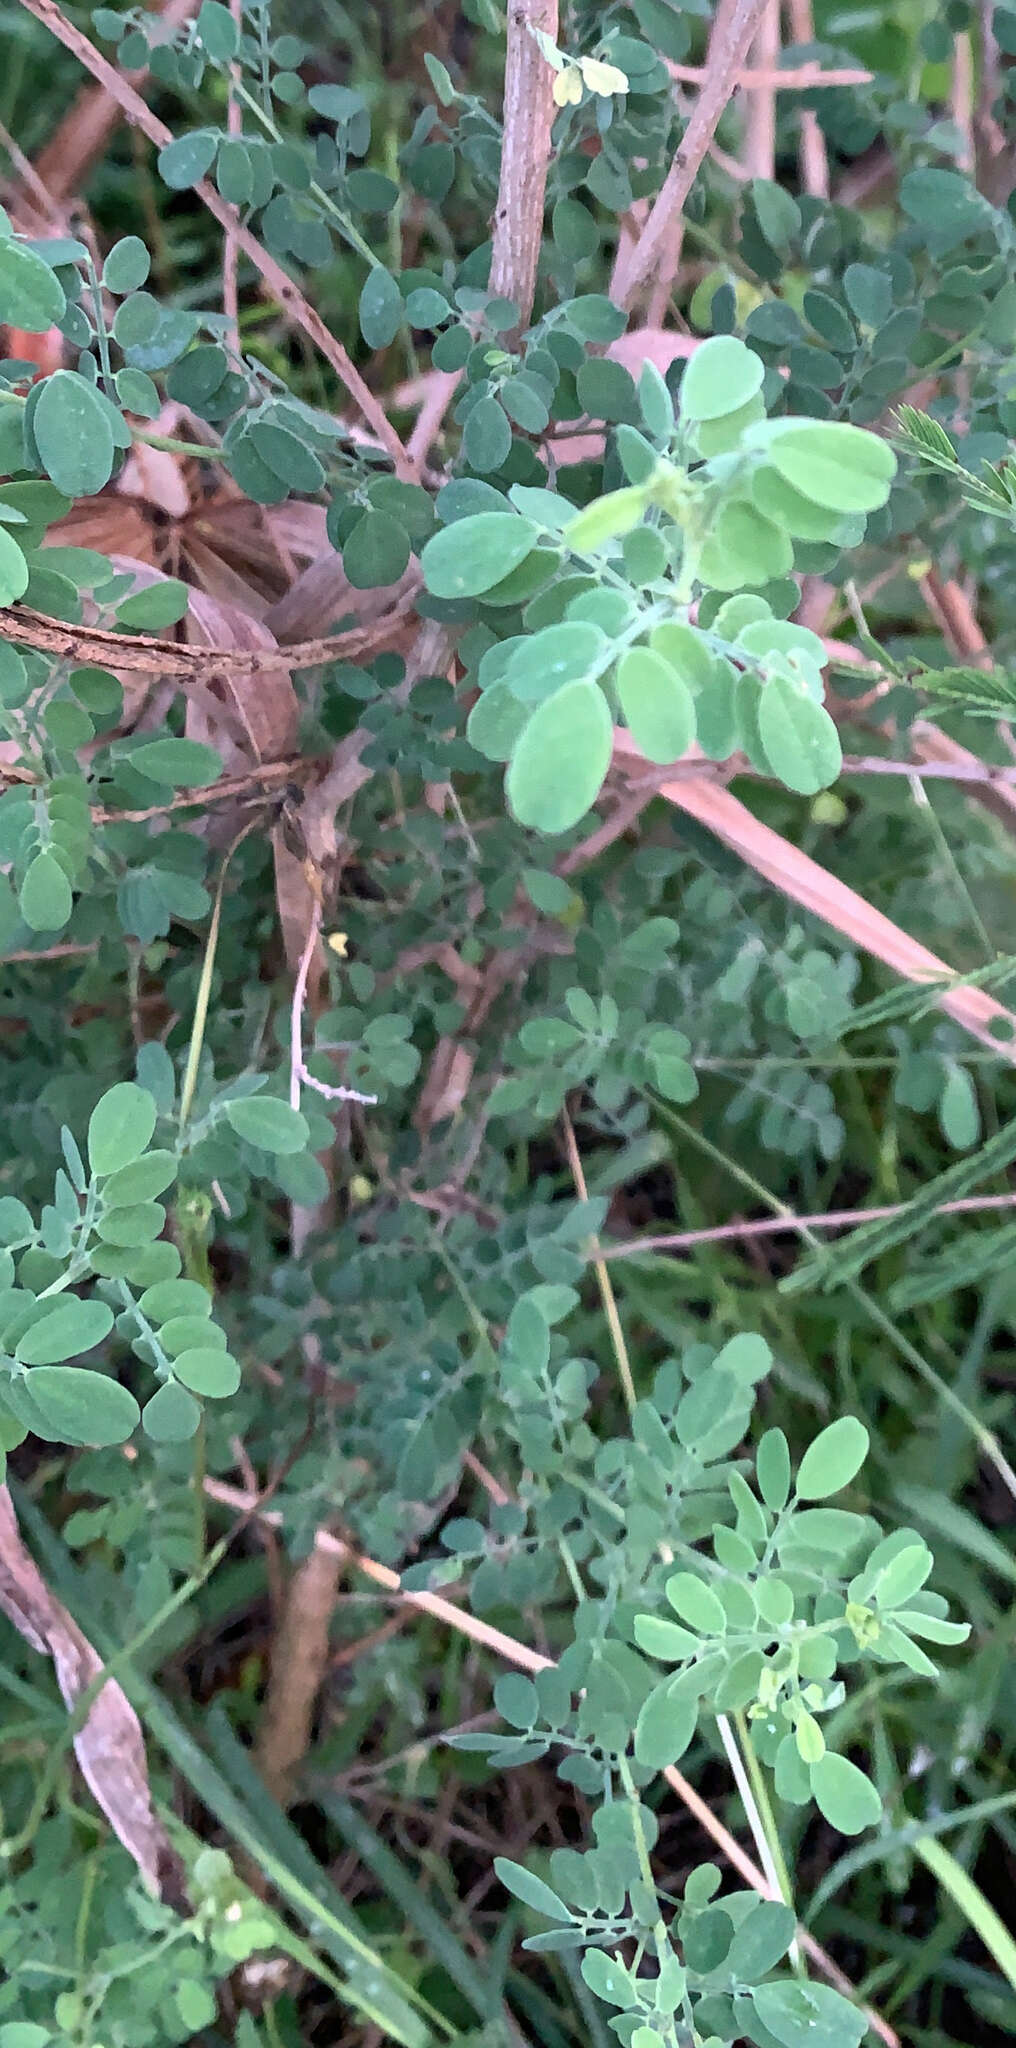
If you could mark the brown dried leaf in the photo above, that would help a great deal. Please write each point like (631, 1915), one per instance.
(322, 594)
(265, 704)
(109, 1746)
(156, 476)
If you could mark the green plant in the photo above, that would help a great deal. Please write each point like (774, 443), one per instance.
(450, 480)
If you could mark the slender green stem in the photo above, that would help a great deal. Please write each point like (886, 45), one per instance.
(199, 1467)
(642, 1849)
(201, 1000)
(167, 441)
(324, 199)
(101, 336)
(603, 1280)
(770, 1830)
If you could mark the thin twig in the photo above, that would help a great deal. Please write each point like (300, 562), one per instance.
(29, 176)
(935, 771)
(299, 1074)
(779, 1226)
(142, 654)
(954, 614)
(657, 253)
(754, 1817)
(289, 296)
(961, 98)
(234, 126)
(814, 161)
(603, 1280)
(760, 124)
(802, 79)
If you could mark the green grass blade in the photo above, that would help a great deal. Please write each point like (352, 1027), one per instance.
(403, 1889)
(972, 1903)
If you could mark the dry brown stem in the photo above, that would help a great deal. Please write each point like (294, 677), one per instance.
(141, 654)
(953, 612)
(778, 1226)
(299, 1663)
(759, 153)
(109, 1745)
(801, 79)
(657, 253)
(525, 148)
(814, 162)
(805, 882)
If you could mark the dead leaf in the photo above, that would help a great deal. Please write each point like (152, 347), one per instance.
(109, 1746)
(265, 704)
(156, 476)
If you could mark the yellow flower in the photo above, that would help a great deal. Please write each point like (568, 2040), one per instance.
(338, 942)
(567, 87)
(605, 79)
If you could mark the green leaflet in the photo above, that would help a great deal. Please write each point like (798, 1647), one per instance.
(30, 295)
(561, 758)
(801, 742)
(73, 434)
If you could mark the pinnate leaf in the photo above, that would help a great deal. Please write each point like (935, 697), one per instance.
(658, 707)
(209, 1371)
(382, 308)
(186, 159)
(172, 1415)
(800, 739)
(664, 1728)
(180, 764)
(268, 1123)
(70, 1405)
(531, 1890)
(45, 898)
(13, 566)
(829, 461)
(808, 2015)
(70, 1327)
(721, 377)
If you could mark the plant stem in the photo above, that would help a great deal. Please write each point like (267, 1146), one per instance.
(208, 453)
(603, 1280)
(201, 1000)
